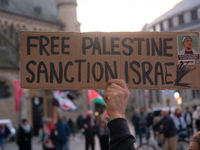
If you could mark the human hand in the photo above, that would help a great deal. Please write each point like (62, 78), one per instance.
(116, 97)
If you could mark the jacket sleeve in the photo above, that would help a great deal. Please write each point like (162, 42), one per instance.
(120, 136)
(67, 129)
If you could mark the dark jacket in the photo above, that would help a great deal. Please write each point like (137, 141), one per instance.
(24, 139)
(120, 136)
(169, 128)
(142, 120)
(135, 120)
(63, 131)
(80, 122)
(149, 119)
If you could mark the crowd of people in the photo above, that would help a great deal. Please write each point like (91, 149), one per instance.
(168, 126)
(55, 136)
(114, 133)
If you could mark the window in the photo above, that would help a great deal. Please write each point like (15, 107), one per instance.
(157, 96)
(4, 93)
(11, 32)
(170, 23)
(5, 2)
(195, 94)
(194, 14)
(38, 10)
(181, 19)
(161, 26)
(16, 37)
(150, 96)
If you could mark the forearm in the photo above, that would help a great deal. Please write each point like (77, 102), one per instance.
(120, 136)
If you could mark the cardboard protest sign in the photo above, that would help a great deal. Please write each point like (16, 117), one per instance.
(145, 60)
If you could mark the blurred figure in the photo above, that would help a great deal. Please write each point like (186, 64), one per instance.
(160, 137)
(179, 123)
(24, 136)
(196, 118)
(135, 122)
(103, 132)
(79, 122)
(149, 121)
(62, 132)
(90, 130)
(143, 125)
(169, 130)
(71, 125)
(4, 132)
(195, 142)
(188, 120)
(48, 137)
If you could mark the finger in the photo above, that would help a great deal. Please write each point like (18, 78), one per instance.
(116, 87)
(119, 82)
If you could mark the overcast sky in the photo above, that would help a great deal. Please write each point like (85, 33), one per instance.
(120, 15)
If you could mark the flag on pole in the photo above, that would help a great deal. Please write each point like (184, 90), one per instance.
(18, 94)
(95, 97)
(63, 101)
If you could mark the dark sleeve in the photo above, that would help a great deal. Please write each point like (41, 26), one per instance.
(120, 136)
(68, 129)
(156, 127)
(166, 126)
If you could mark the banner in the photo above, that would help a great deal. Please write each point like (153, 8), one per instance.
(18, 94)
(145, 60)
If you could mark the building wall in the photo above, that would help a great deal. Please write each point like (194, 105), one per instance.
(10, 27)
(7, 105)
(187, 20)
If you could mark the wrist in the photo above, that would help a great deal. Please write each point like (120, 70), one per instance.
(115, 116)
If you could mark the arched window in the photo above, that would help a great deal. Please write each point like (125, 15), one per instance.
(4, 90)
(11, 29)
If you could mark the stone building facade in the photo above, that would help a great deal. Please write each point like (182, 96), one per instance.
(34, 15)
(184, 16)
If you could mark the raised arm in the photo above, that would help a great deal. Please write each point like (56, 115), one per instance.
(116, 98)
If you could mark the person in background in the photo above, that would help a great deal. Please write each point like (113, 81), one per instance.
(103, 133)
(62, 132)
(116, 97)
(195, 142)
(143, 125)
(48, 137)
(135, 122)
(4, 132)
(24, 136)
(196, 118)
(169, 130)
(79, 122)
(149, 121)
(188, 119)
(179, 123)
(71, 125)
(90, 130)
(160, 137)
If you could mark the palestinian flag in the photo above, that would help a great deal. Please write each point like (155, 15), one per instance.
(63, 101)
(95, 97)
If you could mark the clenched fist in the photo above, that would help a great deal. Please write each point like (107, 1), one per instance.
(116, 98)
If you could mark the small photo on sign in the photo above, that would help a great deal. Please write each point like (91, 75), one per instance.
(188, 52)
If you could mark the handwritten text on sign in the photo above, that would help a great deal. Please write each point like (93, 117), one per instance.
(63, 60)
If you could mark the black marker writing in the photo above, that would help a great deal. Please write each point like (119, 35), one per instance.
(181, 71)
